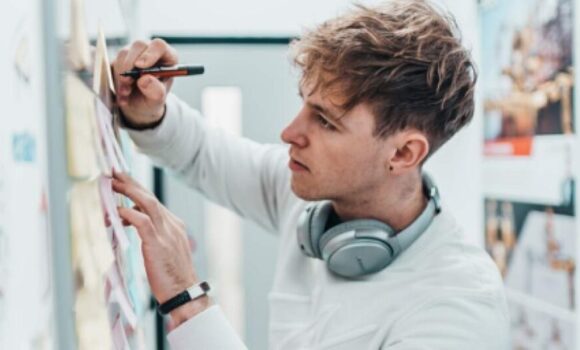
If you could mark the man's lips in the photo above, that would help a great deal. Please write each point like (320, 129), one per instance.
(296, 165)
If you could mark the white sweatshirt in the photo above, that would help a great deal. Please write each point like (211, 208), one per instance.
(441, 293)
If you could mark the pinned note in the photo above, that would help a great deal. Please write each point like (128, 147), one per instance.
(119, 337)
(87, 222)
(108, 199)
(79, 49)
(103, 83)
(80, 131)
(119, 295)
(113, 154)
(92, 320)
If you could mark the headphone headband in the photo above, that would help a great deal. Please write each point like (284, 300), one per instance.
(360, 247)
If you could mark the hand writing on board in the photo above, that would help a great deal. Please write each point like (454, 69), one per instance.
(143, 101)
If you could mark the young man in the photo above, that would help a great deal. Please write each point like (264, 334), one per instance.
(383, 89)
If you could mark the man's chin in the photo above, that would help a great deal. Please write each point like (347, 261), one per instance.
(305, 193)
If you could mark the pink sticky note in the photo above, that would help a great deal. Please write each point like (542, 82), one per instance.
(114, 153)
(119, 295)
(119, 337)
(103, 120)
(108, 197)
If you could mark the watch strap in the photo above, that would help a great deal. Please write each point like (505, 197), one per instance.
(194, 292)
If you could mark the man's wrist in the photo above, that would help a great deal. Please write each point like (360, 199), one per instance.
(127, 123)
(189, 310)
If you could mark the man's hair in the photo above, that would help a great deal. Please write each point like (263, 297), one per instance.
(404, 58)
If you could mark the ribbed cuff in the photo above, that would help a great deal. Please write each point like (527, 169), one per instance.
(207, 330)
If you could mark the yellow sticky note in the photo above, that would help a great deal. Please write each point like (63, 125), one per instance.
(92, 320)
(89, 224)
(103, 84)
(84, 140)
(82, 260)
(80, 110)
(79, 49)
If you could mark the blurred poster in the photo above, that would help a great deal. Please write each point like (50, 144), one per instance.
(534, 247)
(528, 77)
(529, 179)
(532, 329)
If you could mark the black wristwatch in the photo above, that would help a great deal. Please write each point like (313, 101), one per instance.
(192, 293)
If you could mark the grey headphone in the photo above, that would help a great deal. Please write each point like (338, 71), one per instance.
(360, 247)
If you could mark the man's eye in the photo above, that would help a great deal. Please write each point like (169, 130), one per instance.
(324, 123)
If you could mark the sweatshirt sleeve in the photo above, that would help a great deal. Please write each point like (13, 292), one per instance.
(453, 323)
(207, 330)
(250, 178)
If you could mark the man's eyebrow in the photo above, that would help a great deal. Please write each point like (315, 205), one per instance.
(326, 112)
(323, 110)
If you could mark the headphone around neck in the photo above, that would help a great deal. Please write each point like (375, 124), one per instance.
(360, 247)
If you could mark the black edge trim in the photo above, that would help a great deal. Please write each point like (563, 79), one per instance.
(112, 42)
(178, 40)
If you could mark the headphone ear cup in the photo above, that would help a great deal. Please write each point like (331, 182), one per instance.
(349, 250)
(311, 225)
(319, 218)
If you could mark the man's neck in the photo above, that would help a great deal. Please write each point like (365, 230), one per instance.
(397, 204)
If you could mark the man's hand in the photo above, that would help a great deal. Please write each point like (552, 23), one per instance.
(165, 247)
(143, 101)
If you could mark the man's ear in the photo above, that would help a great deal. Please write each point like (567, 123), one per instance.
(412, 147)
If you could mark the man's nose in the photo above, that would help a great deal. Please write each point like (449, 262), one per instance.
(295, 133)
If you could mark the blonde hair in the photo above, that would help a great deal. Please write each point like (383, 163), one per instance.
(404, 58)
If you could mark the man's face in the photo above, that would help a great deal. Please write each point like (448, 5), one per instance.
(335, 155)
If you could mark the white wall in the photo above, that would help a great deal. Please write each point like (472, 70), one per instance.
(231, 17)
(457, 166)
(26, 287)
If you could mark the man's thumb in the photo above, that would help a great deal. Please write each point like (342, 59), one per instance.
(151, 88)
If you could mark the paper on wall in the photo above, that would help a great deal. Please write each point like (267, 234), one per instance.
(82, 260)
(88, 221)
(92, 319)
(79, 49)
(113, 154)
(103, 83)
(108, 198)
(119, 336)
(81, 150)
(118, 295)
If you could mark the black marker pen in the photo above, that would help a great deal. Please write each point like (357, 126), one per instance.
(165, 72)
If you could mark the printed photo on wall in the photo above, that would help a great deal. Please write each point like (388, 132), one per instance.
(534, 248)
(527, 73)
(534, 329)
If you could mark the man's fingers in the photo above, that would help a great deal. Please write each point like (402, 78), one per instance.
(142, 222)
(135, 51)
(125, 62)
(152, 88)
(124, 177)
(157, 53)
(116, 67)
(143, 198)
(142, 54)
(127, 223)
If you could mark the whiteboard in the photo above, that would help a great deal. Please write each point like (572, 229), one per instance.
(25, 276)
